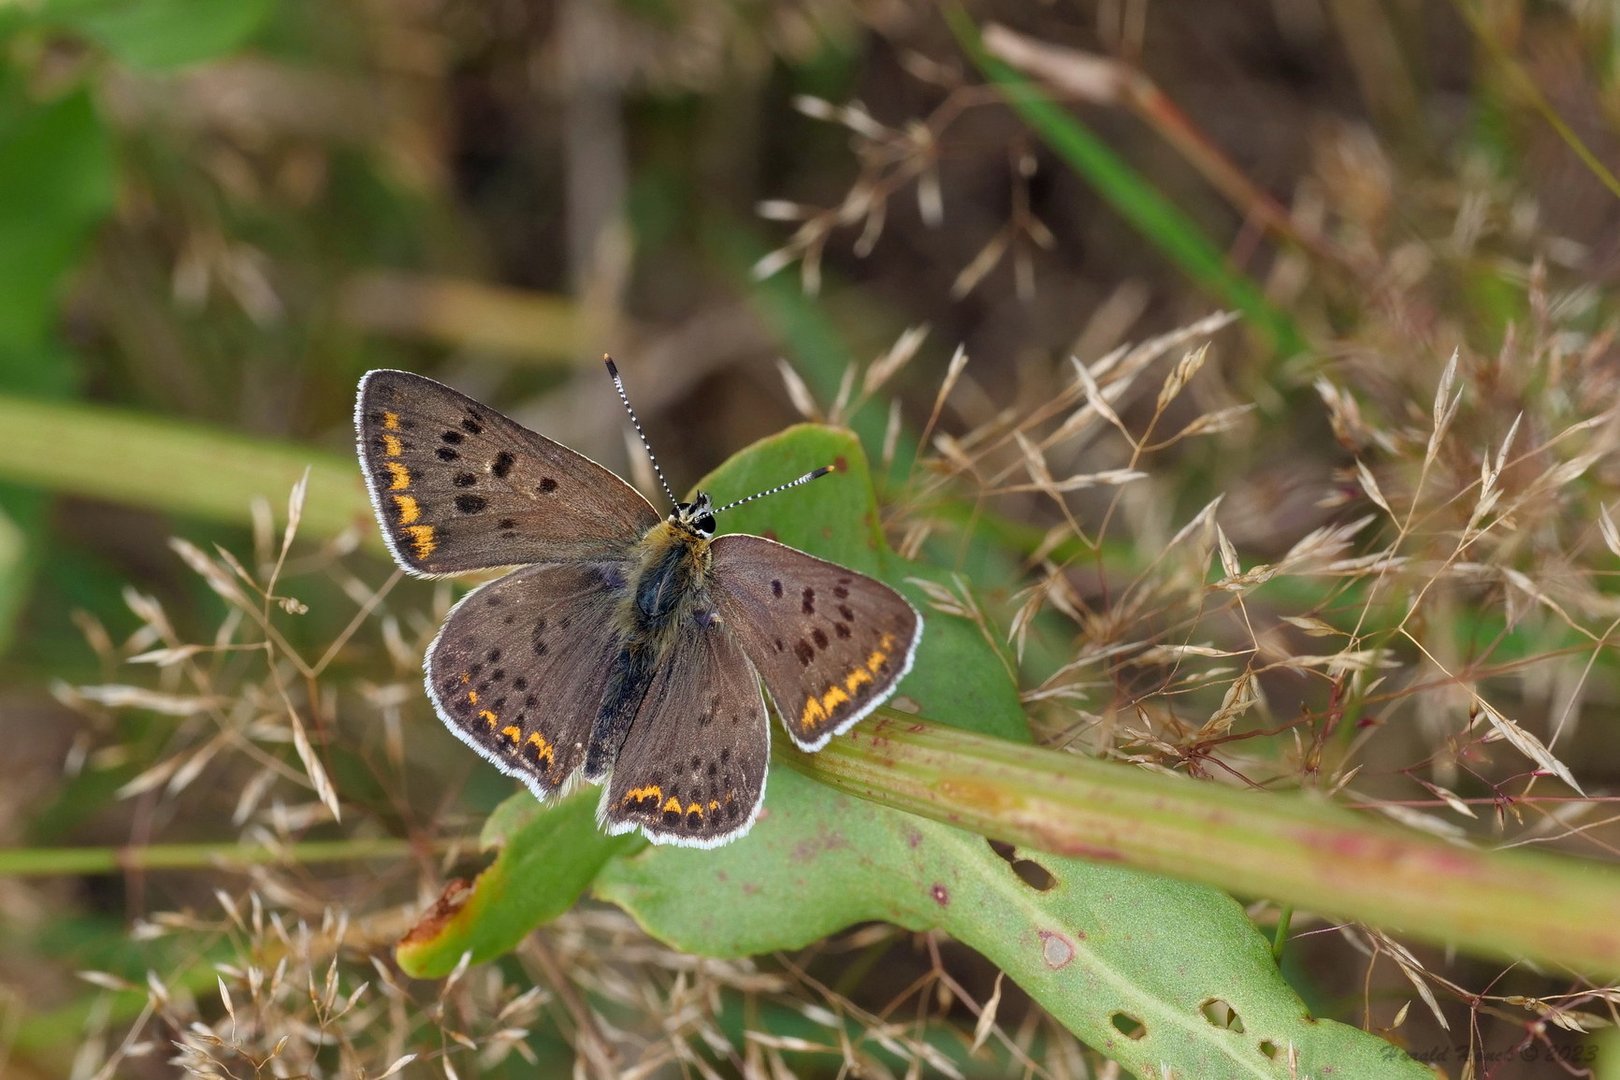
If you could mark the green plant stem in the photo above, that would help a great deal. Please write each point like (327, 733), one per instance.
(42, 862)
(157, 464)
(1294, 849)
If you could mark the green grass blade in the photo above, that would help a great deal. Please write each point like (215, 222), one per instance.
(160, 464)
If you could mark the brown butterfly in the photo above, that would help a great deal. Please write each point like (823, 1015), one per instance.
(626, 648)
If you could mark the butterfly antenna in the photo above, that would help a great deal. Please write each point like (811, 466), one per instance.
(618, 384)
(805, 479)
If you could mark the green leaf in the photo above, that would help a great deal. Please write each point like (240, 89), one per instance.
(56, 185)
(548, 858)
(161, 34)
(1101, 948)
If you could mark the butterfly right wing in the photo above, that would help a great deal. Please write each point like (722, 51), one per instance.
(518, 671)
(457, 486)
(830, 644)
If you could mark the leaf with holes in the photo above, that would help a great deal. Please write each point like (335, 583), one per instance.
(1150, 971)
(1162, 976)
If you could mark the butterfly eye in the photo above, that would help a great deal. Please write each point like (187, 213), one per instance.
(705, 524)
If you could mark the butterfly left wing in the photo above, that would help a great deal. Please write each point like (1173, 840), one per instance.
(829, 643)
(518, 671)
(457, 486)
(692, 768)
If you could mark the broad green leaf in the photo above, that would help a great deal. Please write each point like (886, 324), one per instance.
(1106, 950)
(56, 184)
(547, 860)
(1128, 961)
(161, 34)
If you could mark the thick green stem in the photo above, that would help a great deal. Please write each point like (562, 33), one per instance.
(1291, 848)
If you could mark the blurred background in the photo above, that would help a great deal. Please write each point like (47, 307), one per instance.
(215, 217)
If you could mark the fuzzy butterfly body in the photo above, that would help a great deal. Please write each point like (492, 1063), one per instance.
(628, 649)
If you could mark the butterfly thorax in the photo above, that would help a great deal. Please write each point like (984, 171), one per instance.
(668, 584)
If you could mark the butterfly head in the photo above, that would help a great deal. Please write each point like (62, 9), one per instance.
(696, 516)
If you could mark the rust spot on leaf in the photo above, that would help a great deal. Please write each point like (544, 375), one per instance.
(1056, 949)
(456, 893)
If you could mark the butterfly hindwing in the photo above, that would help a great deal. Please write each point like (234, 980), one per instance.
(829, 644)
(692, 769)
(518, 670)
(457, 486)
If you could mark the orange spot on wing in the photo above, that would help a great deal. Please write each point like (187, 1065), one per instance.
(542, 749)
(392, 446)
(488, 717)
(813, 713)
(819, 708)
(401, 475)
(511, 731)
(472, 695)
(408, 510)
(672, 803)
(714, 804)
(422, 542)
(695, 808)
(391, 421)
(646, 791)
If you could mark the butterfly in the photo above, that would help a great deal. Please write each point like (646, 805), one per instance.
(631, 649)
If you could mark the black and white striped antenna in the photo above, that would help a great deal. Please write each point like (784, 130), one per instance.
(618, 384)
(805, 479)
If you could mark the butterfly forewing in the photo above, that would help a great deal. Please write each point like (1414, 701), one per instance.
(692, 769)
(829, 644)
(457, 486)
(518, 671)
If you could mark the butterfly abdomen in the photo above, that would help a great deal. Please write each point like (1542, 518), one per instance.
(666, 590)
